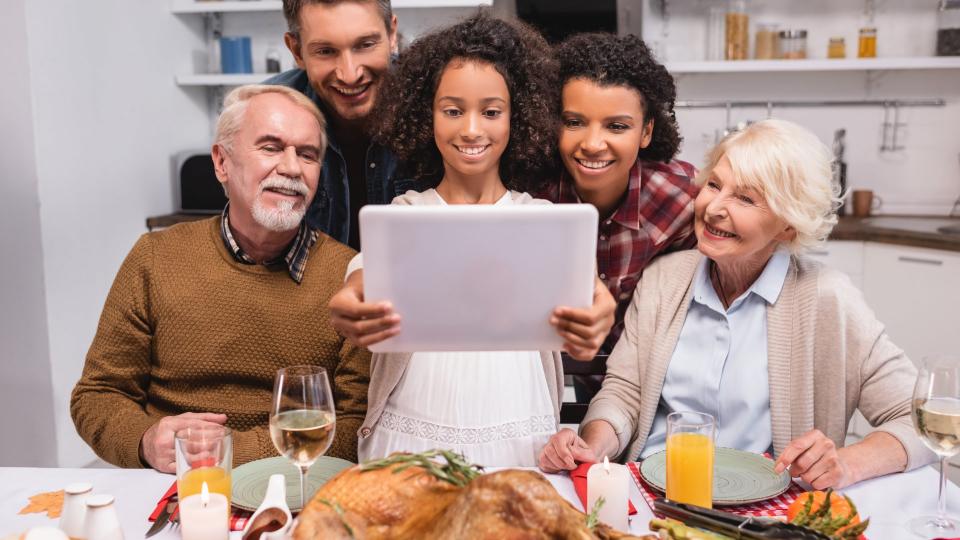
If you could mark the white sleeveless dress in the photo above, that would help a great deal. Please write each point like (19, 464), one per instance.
(492, 407)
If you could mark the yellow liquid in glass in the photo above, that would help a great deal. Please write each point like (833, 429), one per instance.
(690, 469)
(217, 479)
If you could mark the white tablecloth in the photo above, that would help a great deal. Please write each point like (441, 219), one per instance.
(889, 501)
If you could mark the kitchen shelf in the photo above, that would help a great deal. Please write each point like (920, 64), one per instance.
(851, 64)
(232, 6)
(222, 79)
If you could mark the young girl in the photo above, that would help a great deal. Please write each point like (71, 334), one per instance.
(470, 107)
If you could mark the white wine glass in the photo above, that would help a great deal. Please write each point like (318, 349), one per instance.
(936, 417)
(302, 417)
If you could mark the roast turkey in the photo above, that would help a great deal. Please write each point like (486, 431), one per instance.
(414, 497)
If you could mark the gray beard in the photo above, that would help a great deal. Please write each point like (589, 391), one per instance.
(280, 219)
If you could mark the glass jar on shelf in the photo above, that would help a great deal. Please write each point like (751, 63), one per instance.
(737, 24)
(793, 44)
(948, 28)
(765, 44)
(836, 48)
(867, 43)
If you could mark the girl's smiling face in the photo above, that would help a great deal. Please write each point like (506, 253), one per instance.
(471, 118)
(602, 132)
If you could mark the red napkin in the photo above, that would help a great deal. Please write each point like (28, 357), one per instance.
(579, 477)
(238, 518)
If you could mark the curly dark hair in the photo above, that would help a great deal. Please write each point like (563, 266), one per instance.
(404, 113)
(609, 60)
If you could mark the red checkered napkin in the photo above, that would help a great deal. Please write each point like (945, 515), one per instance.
(775, 507)
(238, 518)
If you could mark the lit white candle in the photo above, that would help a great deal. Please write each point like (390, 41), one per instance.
(612, 482)
(205, 516)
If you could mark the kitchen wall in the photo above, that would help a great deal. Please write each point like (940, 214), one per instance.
(922, 178)
(106, 118)
(26, 393)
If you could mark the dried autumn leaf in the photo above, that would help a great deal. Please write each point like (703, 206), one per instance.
(50, 502)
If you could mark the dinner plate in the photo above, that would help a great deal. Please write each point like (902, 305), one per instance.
(738, 477)
(250, 479)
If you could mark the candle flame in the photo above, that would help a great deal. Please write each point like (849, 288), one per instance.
(606, 465)
(204, 495)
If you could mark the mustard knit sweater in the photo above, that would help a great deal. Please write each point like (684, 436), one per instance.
(186, 328)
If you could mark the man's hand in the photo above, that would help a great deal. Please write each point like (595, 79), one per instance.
(583, 330)
(563, 452)
(362, 323)
(814, 459)
(156, 447)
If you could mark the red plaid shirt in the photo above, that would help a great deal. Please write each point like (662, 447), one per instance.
(655, 217)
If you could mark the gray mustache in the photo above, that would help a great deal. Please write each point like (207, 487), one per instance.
(278, 182)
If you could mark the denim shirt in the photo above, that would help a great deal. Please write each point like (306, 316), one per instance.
(330, 210)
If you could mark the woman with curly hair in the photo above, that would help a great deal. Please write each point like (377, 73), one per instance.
(618, 140)
(470, 106)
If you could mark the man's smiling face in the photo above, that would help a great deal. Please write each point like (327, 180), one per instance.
(345, 49)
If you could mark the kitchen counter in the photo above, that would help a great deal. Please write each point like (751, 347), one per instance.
(913, 231)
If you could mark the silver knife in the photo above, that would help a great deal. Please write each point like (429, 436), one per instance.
(164, 517)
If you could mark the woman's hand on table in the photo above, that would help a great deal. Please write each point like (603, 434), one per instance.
(157, 446)
(360, 322)
(583, 330)
(564, 451)
(814, 458)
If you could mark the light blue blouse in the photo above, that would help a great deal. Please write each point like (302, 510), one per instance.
(720, 364)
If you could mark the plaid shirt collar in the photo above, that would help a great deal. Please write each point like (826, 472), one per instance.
(627, 214)
(295, 259)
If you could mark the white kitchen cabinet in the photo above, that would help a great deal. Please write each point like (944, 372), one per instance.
(843, 255)
(915, 292)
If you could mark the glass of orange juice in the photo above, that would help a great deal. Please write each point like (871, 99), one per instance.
(690, 437)
(204, 454)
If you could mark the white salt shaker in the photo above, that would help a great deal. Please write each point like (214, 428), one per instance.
(102, 522)
(74, 512)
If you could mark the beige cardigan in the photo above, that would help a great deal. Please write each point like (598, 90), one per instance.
(386, 369)
(827, 356)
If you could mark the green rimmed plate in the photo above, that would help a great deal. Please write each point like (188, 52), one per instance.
(250, 479)
(738, 477)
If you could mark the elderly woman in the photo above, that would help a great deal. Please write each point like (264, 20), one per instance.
(780, 350)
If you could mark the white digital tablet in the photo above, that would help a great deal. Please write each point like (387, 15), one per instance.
(478, 277)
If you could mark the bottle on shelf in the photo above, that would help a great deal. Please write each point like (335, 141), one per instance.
(867, 44)
(793, 44)
(765, 45)
(716, 38)
(836, 48)
(948, 28)
(737, 24)
(867, 40)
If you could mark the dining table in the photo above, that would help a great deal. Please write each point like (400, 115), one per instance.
(889, 501)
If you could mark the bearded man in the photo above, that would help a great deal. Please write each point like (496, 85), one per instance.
(203, 314)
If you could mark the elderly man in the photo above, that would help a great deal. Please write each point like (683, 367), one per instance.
(201, 315)
(342, 49)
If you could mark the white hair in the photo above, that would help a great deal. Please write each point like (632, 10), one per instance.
(791, 168)
(235, 105)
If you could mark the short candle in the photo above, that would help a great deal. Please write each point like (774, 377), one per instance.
(205, 516)
(612, 482)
